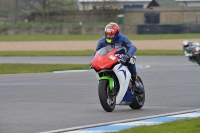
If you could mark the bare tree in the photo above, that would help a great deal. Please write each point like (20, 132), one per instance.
(45, 7)
(107, 5)
(102, 5)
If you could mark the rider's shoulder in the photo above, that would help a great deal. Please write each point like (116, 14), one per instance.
(102, 39)
(196, 43)
(123, 37)
(102, 42)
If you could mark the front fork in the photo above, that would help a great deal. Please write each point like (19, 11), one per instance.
(110, 80)
(111, 93)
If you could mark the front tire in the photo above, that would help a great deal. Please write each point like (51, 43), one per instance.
(106, 96)
(139, 100)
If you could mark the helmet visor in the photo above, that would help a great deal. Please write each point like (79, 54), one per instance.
(109, 36)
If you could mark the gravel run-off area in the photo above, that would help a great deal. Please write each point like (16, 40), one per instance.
(88, 45)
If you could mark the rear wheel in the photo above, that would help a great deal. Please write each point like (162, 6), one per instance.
(198, 60)
(139, 100)
(106, 96)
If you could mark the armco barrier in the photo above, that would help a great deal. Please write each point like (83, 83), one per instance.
(168, 29)
(99, 29)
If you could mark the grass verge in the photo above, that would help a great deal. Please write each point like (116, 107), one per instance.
(84, 53)
(179, 126)
(63, 37)
(39, 68)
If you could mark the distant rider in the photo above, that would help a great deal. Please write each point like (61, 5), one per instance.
(188, 47)
(113, 38)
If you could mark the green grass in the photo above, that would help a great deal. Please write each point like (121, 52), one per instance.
(39, 68)
(159, 52)
(50, 23)
(179, 126)
(47, 37)
(47, 53)
(84, 53)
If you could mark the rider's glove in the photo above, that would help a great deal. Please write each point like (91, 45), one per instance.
(124, 59)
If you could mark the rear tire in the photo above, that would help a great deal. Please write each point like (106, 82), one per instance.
(139, 99)
(106, 96)
(198, 60)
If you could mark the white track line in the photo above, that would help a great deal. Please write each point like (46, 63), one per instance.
(129, 123)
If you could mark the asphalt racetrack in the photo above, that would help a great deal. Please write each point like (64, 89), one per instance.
(33, 103)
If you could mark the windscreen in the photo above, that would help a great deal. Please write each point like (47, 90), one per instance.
(105, 50)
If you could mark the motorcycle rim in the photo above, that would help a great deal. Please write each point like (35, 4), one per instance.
(106, 96)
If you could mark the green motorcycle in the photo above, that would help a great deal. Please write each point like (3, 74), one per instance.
(195, 58)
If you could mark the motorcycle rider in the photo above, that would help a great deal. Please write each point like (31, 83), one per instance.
(188, 47)
(113, 38)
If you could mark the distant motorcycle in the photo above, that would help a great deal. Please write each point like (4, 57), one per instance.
(115, 84)
(195, 52)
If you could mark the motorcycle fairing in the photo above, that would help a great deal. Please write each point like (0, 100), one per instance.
(106, 61)
(124, 77)
(196, 51)
(122, 70)
(128, 98)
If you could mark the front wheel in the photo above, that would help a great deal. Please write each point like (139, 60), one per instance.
(106, 96)
(139, 100)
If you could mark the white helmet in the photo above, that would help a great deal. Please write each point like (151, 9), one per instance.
(185, 43)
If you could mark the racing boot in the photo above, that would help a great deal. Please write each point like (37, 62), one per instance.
(138, 85)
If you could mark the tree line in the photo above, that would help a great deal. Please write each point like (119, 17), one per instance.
(45, 7)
